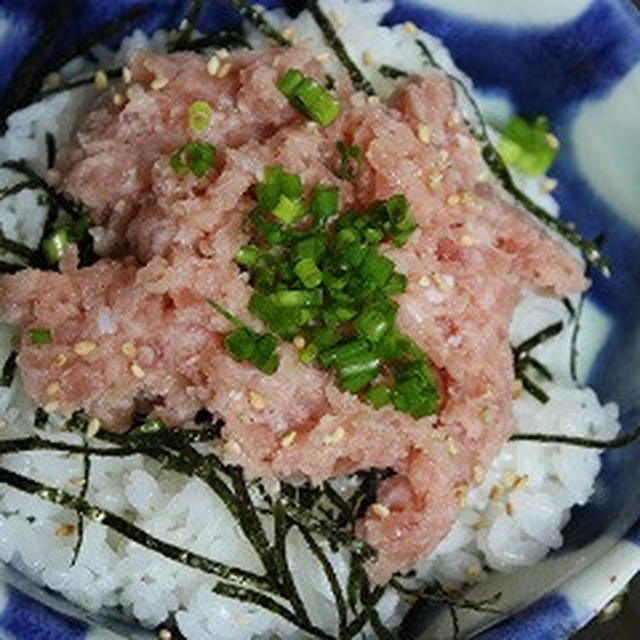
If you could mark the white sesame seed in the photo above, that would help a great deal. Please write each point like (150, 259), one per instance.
(84, 347)
(288, 33)
(466, 198)
(93, 427)
(65, 530)
(508, 478)
(256, 400)
(425, 281)
(323, 57)
(454, 118)
(434, 180)
(299, 342)
(380, 510)
(335, 437)
(478, 473)
(486, 415)
(129, 349)
(245, 418)
(373, 100)
(452, 445)
(224, 70)
(213, 65)
(443, 282)
(3, 423)
(118, 99)
(453, 199)
(552, 141)
(495, 493)
(232, 447)
(288, 439)
(466, 240)
(410, 28)
(223, 54)
(137, 370)
(159, 82)
(53, 388)
(165, 634)
(367, 57)
(126, 75)
(101, 80)
(424, 133)
(461, 492)
(549, 185)
(516, 390)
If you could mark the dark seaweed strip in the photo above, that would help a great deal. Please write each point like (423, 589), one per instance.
(86, 471)
(590, 250)
(327, 530)
(569, 307)
(9, 369)
(255, 17)
(27, 77)
(222, 39)
(393, 73)
(281, 528)
(261, 600)
(190, 20)
(10, 267)
(338, 501)
(50, 143)
(356, 625)
(35, 443)
(531, 387)
(331, 38)
(40, 418)
(128, 530)
(538, 338)
(530, 361)
(30, 256)
(455, 622)
(6, 192)
(589, 443)
(573, 353)
(74, 210)
(332, 579)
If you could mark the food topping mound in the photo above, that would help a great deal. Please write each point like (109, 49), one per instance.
(332, 275)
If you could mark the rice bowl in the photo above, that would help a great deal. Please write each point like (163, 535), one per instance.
(512, 519)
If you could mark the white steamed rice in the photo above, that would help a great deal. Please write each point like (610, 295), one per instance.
(513, 519)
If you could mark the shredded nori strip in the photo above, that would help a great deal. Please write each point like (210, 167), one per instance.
(331, 38)
(222, 39)
(190, 20)
(86, 472)
(50, 142)
(9, 369)
(394, 73)
(10, 267)
(255, 17)
(19, 250)
(577, 441)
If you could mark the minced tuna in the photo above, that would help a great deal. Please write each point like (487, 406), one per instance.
(134, 331)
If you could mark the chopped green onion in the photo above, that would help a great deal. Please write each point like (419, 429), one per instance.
(247, 255)
(288, 210)
(240, 344)
(379, 395)
(309, 97)
(55, 244)
(197, 157)
(40, 336)
(308, 272)
(199, 116)
(527, 145)
(324, 202)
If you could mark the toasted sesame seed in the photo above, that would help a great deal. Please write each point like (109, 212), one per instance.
(118, 99)
(159, 82)
(299, 342)
(367, 57)
(213, 65)
(335, 437)
(137, 370)
(452, 445)
(380, 510)
(289, 33)
(508, 478)
(101, 80)
(3, 423)
(223, 54)
(454, 118)
(165, 634)
(224, 70)
(486, 415)
(84, 347)
(410, 28)
(323, 57)
(495, 493)
(52, 406)
(508, 507)
(425, 281)
(552, 141)
(466, 198)
(373, 100)
(288, 439)
(59, 360)
(516, 390)
(53, 388)
(434, 180)
(245, 418)
(93, 427)
(129, 349)
(232, 447)
(461, 492)
(478, 473)
(256, 400)
(126, 75)
(474, 572)
(453, 199)
(443, 156)
(444, 283)
(549, 185)
(424, 133)
(76, 482)
(65, 530)
(466, 240)
(480, 525)
(520, 482)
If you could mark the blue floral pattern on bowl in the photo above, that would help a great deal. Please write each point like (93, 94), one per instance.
(577, 62)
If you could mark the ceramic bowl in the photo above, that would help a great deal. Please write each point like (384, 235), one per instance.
(578, 63)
